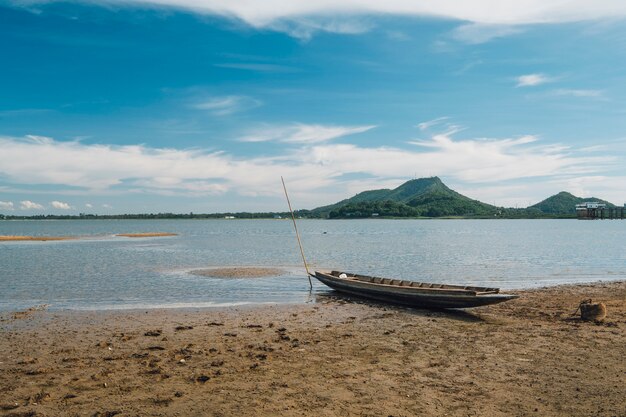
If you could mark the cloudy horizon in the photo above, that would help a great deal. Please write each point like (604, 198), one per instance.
(202, 105)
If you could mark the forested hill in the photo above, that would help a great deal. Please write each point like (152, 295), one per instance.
(428, 197)
(564, 203)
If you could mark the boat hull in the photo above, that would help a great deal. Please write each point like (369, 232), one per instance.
(412, 296)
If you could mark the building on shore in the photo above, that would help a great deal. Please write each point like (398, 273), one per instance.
(591, 210)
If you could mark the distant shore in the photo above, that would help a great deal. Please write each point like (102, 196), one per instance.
(333, 357)
(285, 216)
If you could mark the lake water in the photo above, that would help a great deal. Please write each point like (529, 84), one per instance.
(102, 271)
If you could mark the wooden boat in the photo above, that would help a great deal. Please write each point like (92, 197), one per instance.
(414, 294)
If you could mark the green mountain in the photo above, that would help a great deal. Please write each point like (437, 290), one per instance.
(420, 197)
(564, 203)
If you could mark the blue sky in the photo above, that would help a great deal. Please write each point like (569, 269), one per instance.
(201, 105)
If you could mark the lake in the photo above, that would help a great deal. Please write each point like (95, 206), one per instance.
(103, 271)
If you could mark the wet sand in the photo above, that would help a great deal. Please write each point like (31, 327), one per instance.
(336, 357)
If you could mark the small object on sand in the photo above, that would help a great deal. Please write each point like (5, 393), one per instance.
(153, 333)
(590, 311)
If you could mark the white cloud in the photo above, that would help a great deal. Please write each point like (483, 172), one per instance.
(6, 205)
(261, 13)
(60, 205)
(301, 18)
(612, 189)
(107, 206)
(531, 80)
(89, 205)
(227, 105)
(29, 205)
(322, 171)
(303, 133)
(475, 160)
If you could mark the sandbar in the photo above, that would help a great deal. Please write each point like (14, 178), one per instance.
(334, 357)
(33, 238)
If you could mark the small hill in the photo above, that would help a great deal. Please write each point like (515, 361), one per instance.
(564, 203)
(420, 197)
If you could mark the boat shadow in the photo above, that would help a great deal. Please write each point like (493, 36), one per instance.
(452, 314)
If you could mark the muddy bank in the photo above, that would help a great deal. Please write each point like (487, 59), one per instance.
(333, 357)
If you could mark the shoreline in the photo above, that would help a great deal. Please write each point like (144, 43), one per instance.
(334, 357)
(212, 306)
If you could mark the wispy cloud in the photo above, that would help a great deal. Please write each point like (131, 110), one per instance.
(60, 205)
(304, 28)
(6, 205)
(476, 33)
(301, 18)
(303, 133)
(579, 93)
(227, 105)
(29, 205)
(430, 123)
(532, 80)
(24, 112)
(255, 66)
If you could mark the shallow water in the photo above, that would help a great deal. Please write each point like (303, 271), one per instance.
(102, 271)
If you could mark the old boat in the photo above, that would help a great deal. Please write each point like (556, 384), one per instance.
(410, 293)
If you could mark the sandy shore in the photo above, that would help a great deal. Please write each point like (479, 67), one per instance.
(34, 238)
(14, 238)
(335, 357)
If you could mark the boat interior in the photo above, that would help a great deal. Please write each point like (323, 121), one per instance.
(406, 283)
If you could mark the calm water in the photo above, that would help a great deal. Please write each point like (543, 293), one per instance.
(103, 271)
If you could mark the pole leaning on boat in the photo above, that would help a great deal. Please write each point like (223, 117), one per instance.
(295, 226)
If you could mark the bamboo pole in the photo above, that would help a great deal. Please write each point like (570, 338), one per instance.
(295, 226)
